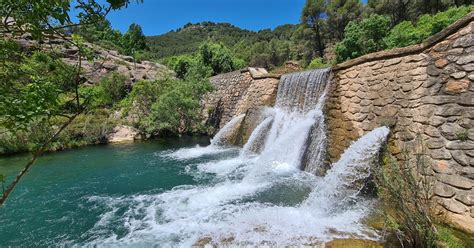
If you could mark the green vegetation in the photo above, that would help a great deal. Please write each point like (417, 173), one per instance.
(167, 106)
(362, 37)
(408, 33)
(375, 33)
(37, 89)
(317, 63)
(404, 189)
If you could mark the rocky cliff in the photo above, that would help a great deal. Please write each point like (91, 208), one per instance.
(103, 63)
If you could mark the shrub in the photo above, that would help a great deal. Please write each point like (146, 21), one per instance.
(406, 33)
(362, 37)
(404, 188)
(166, 106)
(317, 63)
(114, 87)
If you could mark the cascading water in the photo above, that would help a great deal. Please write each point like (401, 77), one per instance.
(258, 196)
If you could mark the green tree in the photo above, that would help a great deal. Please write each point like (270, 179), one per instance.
(312, 16)
(115, 87)
(340, 13)
(406, 33)
(133, 40)
(41, 91)
(362, 37)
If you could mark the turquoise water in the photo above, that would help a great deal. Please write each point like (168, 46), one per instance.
(52, 205)
(179, 192)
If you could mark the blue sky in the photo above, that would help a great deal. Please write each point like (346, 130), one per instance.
(160, 16)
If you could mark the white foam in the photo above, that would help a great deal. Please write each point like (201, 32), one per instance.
(248, 201)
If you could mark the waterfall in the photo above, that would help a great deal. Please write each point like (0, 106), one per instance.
(227, 131)
(256, 140)
(297, 134)
(260, 196)
(301, 91)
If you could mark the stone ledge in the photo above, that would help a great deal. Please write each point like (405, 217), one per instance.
(409, 50)
(259, 73)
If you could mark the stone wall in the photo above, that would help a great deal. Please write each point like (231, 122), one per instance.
(237, 92)
(425, 93)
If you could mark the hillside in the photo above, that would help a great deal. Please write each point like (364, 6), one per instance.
(256, 48)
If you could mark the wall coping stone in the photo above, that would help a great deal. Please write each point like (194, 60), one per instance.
(257, 76)
(409, 50)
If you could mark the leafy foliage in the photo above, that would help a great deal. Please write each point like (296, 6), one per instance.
(33, 87)
(317, 63)
(114, 87)
(406, 33)
(363, 37)
(266, 48)
(166, 106)
(133, 40)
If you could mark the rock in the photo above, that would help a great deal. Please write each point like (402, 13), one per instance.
(451, 130)
(122, 133)
(257, 72)
(441, 154)
(352, 74)
(455, 181)
(456, 86)
(433, 71)
(392, 62)
(442, 167)
(468, 67)
(465, 59)
(453, 206)
(460, 157)
(466, 197)
(458, 75)
(464, 41)
(443, 190)
(460, 145)
(435, 143)
(441, 63)
(467, 172)
(432, 132)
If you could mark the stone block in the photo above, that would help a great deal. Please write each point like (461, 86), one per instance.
(444, 190)
(458, 75)
(460, 157)
(456, 86)
(440, 154)
(453, 206)
(456, 181)
(464, 41)
(466, 197)
(466, 59)
(460, 145)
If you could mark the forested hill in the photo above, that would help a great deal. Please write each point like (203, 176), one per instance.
(245, 43)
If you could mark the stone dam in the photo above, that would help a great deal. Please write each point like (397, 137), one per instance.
(424, 93)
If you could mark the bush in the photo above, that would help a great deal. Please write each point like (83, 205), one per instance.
(405, 188)
(362, 37)
(405, 33)
(114, 87)
(317, 63)
(166, 106)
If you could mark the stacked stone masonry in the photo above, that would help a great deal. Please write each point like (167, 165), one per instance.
(237, 92)
(424, 93)
(427, 98)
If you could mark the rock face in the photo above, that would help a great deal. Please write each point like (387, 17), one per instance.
(104, 62)
(425, 93)
(122, 134)
(236, 93)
